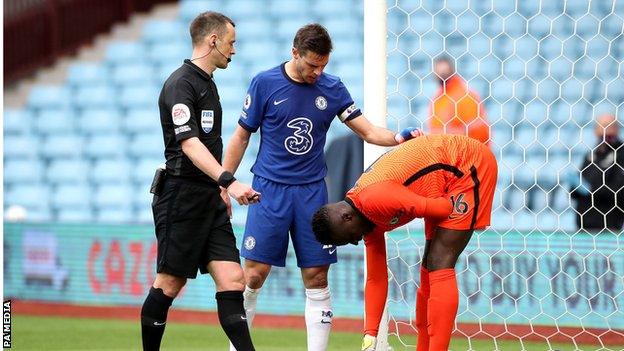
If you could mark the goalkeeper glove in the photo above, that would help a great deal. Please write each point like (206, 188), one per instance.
(369, 342)
(407, 134)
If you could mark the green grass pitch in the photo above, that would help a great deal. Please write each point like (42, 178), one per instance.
(56, 333)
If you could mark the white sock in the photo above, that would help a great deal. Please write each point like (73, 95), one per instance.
(318, 317)
(251, 297)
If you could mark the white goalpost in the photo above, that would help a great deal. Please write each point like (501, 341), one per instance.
(543, 70)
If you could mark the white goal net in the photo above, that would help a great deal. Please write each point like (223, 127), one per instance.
(543, 71)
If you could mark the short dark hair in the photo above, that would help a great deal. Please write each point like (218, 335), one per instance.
(313, 37)
(208, 22)
(321, 227)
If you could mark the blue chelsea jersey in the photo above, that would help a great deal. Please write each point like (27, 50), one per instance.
(293, 119)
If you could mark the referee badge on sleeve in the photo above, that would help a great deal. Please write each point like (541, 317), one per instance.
(207, 120)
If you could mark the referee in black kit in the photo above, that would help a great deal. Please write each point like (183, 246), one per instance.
(190, 211)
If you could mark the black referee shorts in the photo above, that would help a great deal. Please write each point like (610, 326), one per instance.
(192, 228)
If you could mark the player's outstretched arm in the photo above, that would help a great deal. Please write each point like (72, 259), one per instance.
(380, 136)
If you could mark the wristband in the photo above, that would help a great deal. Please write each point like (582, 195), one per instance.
(226, 179)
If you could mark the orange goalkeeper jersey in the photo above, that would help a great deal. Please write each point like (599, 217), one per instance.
(447, 179)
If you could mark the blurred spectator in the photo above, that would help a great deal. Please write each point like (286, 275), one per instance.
(455, 109)
(600, 194)
(345, 162)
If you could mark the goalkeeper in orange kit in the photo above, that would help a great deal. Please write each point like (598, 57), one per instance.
(448, 180)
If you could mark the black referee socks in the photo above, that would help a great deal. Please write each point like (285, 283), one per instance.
(233, 320)
(154, 318)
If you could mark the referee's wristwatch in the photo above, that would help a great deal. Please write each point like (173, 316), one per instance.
(226, 179)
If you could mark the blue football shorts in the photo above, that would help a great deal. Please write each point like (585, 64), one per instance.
(286, 209)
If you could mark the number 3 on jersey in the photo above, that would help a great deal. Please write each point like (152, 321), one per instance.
(301, 141)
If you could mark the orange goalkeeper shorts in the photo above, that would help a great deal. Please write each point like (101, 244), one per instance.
(471, 197)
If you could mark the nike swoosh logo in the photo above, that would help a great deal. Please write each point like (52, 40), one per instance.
(331, 252)
(159, 323)
(277, 102)
(203, 93)
(325, 322)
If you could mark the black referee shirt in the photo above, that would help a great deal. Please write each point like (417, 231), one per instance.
(190, 107)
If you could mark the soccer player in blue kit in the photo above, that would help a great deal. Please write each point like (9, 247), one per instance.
(293, 105)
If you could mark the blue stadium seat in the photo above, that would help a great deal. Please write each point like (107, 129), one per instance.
(347, 50)
(547, 221)
(86, 73)
(111, 171)
(548, 90)
(142, 120)
(156, 31)
(23, 171)
(95, 96)
(142, 198)
(31, 196)
(560, 69)
(105, 146)
(567, 221)
(62, 146)
(113, 196)
(139, 96)
(572, 90)
(131, 74)
(501, 220)
(344, 27)
(598, 48)
(21, 146)
(288, 9)
(536, 112)
(146, 145)
(100, 121)
(17, 121)
(56, 122)
(243, 9)
(561, 198)
(253, 29)
(72, 196)
(334, 8)
(144, 169)
(398, 106)
(74, 171)
(189, 9)
(171, 54)
(49, 96)
(587, 26)
(502, 89)
(270, 51)
(287, 28)
(397, 21)
(524, 221)
(124, 52)
(490, 67)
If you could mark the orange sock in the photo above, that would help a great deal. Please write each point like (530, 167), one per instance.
(442, 308)
(422, 297)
